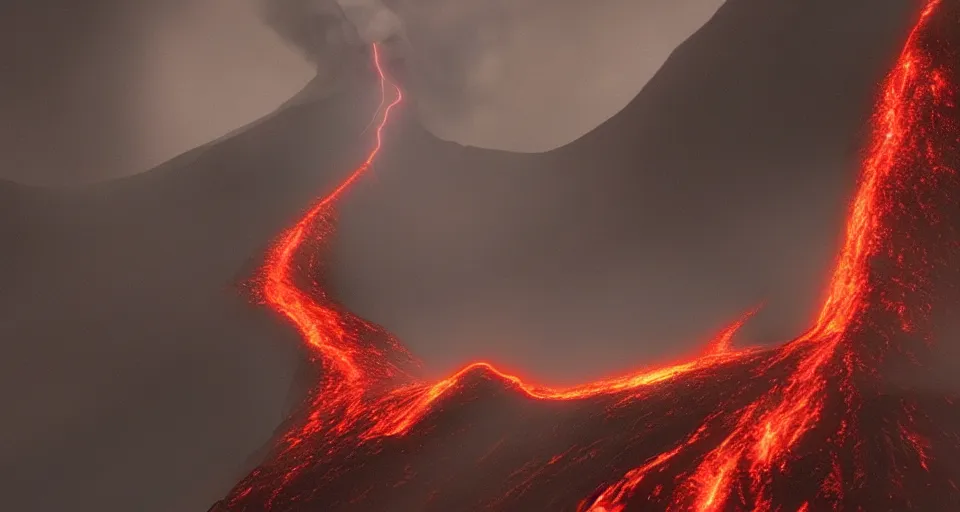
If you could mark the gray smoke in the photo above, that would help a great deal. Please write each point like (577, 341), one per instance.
(522, 75)
(100, 89)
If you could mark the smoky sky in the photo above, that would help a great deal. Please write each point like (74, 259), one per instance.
(107, 88)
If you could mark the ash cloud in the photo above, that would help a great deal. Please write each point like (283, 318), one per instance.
(317, 28)
(102, 89)
(520, 75)
(451, 50)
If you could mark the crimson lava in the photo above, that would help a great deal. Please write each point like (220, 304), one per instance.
(812, 424)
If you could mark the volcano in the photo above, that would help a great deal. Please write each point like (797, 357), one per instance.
(817, 423)
(157, 378)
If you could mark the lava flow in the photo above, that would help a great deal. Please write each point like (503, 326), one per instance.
(814, 424)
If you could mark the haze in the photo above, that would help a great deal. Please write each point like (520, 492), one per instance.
(109, 88)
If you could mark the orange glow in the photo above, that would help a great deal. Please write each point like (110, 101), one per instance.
(363, 396)
(320, 326)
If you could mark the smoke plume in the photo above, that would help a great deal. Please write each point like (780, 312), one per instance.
(521, 75)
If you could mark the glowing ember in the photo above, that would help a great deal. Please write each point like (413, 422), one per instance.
(748, 447)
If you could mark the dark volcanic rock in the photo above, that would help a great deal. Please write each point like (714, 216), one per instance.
(139, 378)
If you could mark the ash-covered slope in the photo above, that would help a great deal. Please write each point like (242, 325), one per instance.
(136, 374)
(822, 422)
(12, 197)
(138, 377)
(733, 164)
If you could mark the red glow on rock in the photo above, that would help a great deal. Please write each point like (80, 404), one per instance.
(738, 451)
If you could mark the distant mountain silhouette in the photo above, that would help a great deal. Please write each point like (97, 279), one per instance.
(139, 377)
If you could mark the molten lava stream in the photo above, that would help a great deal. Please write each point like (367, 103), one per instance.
(759, 446)
(351, 370)
(743, 451)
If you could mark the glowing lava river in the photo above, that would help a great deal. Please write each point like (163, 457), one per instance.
(817, 423)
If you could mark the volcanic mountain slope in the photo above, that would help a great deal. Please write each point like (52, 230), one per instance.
(687, 205)
(149, 377)
(818, 423)
(11, 195)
